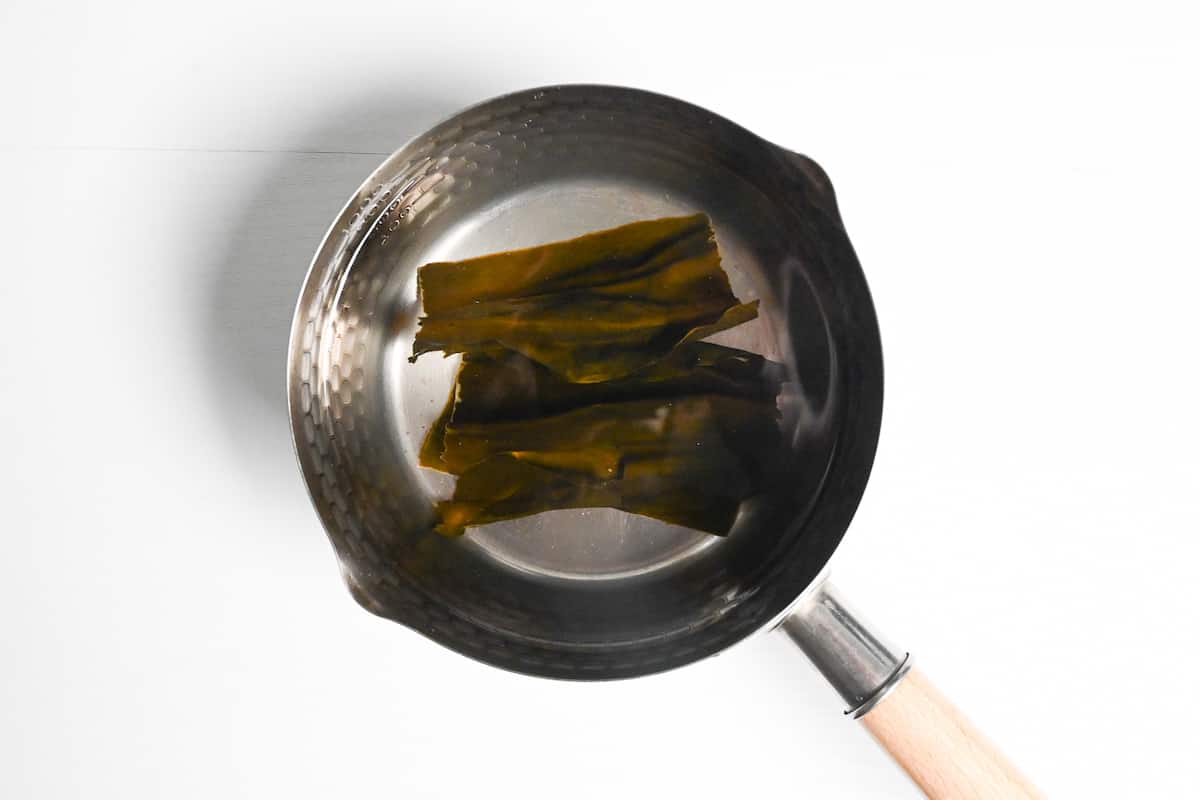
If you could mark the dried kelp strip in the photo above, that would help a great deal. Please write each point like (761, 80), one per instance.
(591, 261)
(591, 309)
(692, 425)
(584, 382)
(672, 456)
(504, 488)
(507, 386)
(498, 387)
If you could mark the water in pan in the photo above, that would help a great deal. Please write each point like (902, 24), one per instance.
(588, 543)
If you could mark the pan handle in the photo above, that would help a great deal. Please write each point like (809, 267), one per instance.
(922, 730)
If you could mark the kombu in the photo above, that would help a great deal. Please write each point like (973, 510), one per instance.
(584, 382)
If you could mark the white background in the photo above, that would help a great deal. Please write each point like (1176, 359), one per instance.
(1021, 185)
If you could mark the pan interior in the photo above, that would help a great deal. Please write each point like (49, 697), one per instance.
(595, 543)
(572, 593)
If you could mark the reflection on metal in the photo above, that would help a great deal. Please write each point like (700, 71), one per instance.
(853, 657)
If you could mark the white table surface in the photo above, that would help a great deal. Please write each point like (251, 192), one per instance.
(1021, 186)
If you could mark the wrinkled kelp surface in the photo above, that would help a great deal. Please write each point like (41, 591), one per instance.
(591, 309)
(584, 382)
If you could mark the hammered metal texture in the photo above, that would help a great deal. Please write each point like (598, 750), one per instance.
(377, 508)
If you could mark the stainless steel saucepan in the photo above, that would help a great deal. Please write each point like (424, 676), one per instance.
(599, 594)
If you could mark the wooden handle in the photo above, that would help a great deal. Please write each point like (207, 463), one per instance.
(939, 748)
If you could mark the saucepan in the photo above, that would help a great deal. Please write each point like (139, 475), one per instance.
(599, 594)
